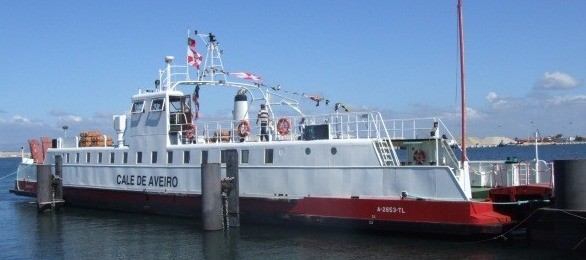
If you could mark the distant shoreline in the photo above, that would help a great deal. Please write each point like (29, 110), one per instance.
(13, 154)
(479, 145)
(525, 144)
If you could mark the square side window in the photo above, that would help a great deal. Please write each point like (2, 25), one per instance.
(186, 157)
(138, 157)
(244, 156)
(169, 157)
(268, 155)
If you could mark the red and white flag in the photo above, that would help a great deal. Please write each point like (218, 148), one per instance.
(191, 43)
(246, 75)
(193, 58)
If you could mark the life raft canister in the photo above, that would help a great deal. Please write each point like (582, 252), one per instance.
(190, 131)
(283, 126)
(243, 128)
(419, 157)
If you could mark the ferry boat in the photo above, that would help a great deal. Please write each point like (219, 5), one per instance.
(338, 169)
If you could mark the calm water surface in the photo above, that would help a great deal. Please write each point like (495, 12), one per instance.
(84, 233)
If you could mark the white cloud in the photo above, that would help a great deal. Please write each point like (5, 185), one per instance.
(567, 100)
(19, 128)
(491, 96)
(73, 118)
(65, 117)
(497, 102)
(473, 114)
(20, 119)
(556, 80)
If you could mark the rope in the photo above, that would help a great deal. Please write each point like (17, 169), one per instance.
(578, 245)
(14, 172)
(486, 202)
(573, 215)
(507, 203)
(7, 175)
(503, 235)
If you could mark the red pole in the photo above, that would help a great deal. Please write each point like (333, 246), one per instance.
(462, 80)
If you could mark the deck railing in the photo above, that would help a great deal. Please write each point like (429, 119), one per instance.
(367, 125)
(416, 128)
(505, 174)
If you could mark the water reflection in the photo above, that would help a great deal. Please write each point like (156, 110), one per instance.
(221, 244)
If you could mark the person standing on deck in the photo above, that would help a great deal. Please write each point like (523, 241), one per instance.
(263, 118)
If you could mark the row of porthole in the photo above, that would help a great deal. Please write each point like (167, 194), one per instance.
(333, 151)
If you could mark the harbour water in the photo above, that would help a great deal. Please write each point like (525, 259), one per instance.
(85, 233)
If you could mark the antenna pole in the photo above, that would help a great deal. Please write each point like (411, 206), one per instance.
(213, 64)
(462, 80)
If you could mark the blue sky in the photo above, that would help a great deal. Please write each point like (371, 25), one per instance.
(78, 63)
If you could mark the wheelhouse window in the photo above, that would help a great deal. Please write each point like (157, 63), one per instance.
(67, 157)
(186, 157)
(158, 104)
(223, 156)
(138, 157)
(125, 158)
(268, 155)
(112, 157)
(138, 106)
(154, 157)
(88, 158)
(99, 157)
(77, 158)
(179, 109)
(176, 104)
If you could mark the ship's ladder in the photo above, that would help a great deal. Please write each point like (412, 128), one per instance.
(385, 152)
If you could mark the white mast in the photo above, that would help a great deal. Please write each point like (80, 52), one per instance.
(213, 62)
(168, 60)
(537, 178)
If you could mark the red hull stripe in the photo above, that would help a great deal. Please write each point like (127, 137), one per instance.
(454, 212)
(377, 212)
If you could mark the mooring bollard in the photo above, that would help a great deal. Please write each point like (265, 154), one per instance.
(570, 198)
(211, 196)
(234, 194)
(570, 184)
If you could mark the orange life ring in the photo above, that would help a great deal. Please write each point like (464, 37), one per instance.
(419, 157)
(283, 126)
(190, 131)
(243, 128)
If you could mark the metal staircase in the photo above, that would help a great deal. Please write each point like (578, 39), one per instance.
(385, 152)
